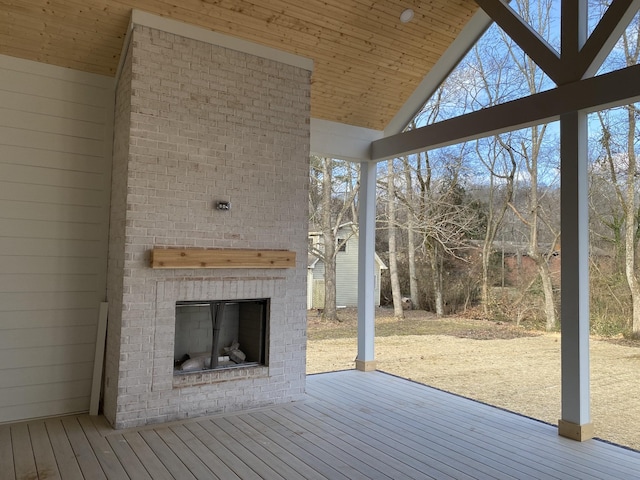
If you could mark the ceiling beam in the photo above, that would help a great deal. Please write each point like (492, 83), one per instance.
(620, 87)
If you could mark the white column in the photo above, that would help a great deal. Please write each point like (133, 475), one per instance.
(365, 360)
(576, 416)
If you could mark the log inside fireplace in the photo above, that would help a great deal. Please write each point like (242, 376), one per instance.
(217, 334)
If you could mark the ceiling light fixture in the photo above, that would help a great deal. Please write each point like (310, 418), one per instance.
(406, 16)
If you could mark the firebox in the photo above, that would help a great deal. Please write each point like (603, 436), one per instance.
(220, 334)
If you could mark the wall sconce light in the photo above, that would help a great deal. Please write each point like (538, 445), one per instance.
(223, 205)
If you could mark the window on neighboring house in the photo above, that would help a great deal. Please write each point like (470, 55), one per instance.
(314, 242)
(342, 245)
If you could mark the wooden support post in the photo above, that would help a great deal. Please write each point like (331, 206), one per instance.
(365, 360)
(576, 417)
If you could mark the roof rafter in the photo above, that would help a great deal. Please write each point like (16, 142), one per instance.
(543, 54)
(606, 35)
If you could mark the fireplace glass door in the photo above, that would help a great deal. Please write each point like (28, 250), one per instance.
(210, 335)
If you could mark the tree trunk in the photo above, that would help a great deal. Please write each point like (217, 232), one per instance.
(411, 238)
(534, 234)
(331, 180)
(627, 200)
(631, 225)
(436, 269)
(330, 312)
(495, 213)
(486, 256)
(413, 274)
(398, 312)
(547, 289)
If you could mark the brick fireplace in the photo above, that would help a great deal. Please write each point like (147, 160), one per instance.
(197, 123)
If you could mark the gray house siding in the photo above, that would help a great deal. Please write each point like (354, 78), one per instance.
(346, 277)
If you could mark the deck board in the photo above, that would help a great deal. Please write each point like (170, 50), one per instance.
(152, 463)
(43, 451)
(220, 469)
(405, 449)
(236, 464)
(352, 425)
(280, 466)
(298, 466)
(85, 455)
(102, 450)
(168, 457)
(296, 447)
(197, 468)
(345, 459)
(23, 459)
(65, 457)
(405, 428)
(248, 457)
(459, 449)
(127, 457)
(366, 449)
(6, 451)
(504, 432)
(121, 448)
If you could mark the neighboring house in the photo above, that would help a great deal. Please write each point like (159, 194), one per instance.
(517, 266)
(346, 270)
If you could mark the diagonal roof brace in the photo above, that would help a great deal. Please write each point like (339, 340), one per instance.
(543, 54)
(605, 36)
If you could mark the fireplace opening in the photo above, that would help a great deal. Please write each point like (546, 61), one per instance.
(211, 335)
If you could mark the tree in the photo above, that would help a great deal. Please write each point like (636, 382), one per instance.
(529, 145)
(495, 72)
(411, 237)
(332, 200)
(500, 161)
(443, 215)
(493, 83)
(619, 142)
(398, 312)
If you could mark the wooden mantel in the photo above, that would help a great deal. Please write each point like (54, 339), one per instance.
(221, 258)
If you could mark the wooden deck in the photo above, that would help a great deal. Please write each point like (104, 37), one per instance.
(353, 425)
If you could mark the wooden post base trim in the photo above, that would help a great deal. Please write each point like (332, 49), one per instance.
(575, 431)
(366, 365)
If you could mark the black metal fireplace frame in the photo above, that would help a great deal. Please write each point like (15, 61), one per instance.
(216, 315)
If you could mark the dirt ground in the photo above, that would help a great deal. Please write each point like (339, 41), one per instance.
(499, 364)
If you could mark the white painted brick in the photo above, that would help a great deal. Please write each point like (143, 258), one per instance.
(198, 123)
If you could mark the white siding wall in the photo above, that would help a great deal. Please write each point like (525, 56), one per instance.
(55, 150)
(347, 274)
(346, 279)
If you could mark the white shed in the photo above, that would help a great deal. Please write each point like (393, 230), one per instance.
(346, 270)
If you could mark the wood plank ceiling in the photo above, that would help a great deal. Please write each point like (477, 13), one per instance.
(367, 62)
